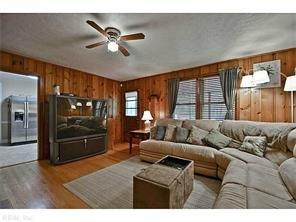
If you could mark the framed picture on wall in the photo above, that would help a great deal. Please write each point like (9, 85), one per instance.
(273, 69)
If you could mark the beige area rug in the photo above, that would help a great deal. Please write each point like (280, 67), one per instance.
(112, 187)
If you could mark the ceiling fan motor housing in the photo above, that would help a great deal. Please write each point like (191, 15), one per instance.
(113, 34)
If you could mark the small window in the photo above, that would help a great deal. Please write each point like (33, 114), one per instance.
(131, 103)
(186, 100)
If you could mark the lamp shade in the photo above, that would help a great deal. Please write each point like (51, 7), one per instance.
(78, 104)
(290, 84)
(261, 76)
(247, 81)
(147, 115)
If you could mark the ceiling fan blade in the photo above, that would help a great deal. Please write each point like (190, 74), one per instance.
(132, 37)
(97, 27)
(95, 44)
(123, 50)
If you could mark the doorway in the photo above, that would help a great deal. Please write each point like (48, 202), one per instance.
(19, 118)
(131, 112)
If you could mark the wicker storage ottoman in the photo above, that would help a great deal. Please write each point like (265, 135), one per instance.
(165, 184)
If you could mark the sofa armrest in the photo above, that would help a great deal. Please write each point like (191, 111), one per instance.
(291, 140)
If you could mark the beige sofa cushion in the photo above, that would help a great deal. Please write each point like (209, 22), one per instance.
(236, 172)
(268, 181)
(232, 196)
(276, 133)
(236, 196)
(249, 158)
(203, 124)
(277, 156)
(258, 177)
(288, 173)
(193, 152)
(261, 200)
(165, 122)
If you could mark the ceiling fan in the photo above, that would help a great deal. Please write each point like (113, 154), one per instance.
(114, 38)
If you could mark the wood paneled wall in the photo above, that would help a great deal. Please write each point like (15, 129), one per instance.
(70, 81)
(271, 105)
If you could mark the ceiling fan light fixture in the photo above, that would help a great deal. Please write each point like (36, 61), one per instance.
(112, 46)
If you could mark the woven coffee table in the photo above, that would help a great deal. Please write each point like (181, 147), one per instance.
(165, 184)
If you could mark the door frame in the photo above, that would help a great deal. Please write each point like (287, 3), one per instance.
(138, 110)
(40, 107)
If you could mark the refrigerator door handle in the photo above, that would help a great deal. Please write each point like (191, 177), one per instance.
(27, 114)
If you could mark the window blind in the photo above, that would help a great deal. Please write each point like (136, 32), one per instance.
(211, 99)
(186, 100)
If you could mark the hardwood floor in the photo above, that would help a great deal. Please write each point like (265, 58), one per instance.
(40, 185)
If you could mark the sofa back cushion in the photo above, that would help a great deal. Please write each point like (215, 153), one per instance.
(287, 171)
(207, 125)
(276, 133)
(165, 122)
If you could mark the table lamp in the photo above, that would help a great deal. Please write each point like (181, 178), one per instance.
(147, 117)
(290, 86)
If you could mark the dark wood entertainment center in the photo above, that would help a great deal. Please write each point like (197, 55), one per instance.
(63, 150)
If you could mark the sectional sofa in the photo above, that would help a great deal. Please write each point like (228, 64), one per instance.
(248, 181)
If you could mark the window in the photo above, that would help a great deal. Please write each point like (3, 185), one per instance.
(186, 100)
(131, 103)
(201, 99)
(211, 99)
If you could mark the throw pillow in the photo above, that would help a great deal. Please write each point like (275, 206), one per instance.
(153, 131)
(181, 135)
(255, 145)
(170, 133)
(216, 139)
(160, 133)
(196, 136)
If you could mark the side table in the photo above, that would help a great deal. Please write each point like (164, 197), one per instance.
(139, 134)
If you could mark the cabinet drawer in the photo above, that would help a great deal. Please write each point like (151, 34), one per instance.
(95, 145)
(80, 148)
(72, 150)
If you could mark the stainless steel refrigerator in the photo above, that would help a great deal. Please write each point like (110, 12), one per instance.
(23, 120)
